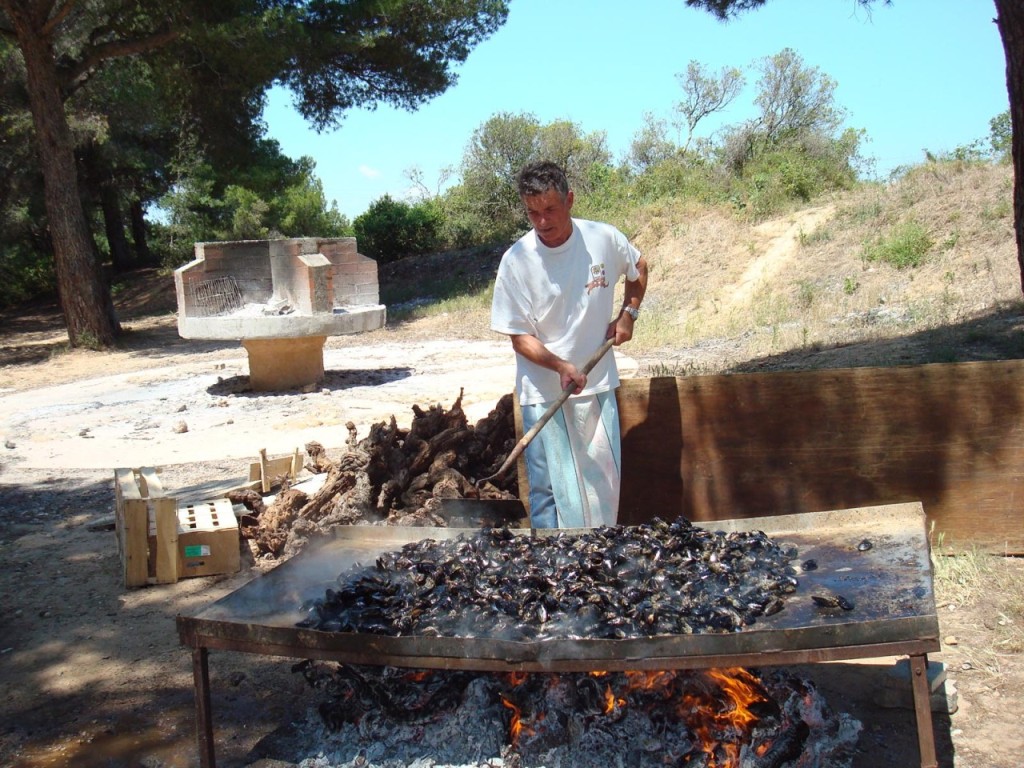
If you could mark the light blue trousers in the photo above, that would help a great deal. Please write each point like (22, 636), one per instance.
(574, 464)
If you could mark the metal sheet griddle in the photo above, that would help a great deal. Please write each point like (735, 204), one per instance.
(890, 585)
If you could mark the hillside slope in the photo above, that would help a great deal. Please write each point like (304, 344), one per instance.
(800, 285)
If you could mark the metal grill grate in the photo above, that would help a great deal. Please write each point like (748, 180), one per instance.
(218, 296)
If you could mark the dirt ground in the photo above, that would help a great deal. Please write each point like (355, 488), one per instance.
(94, 675)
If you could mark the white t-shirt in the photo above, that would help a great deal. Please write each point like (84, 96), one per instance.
(565, 297)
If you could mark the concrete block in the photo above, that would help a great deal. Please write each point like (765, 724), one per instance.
(340, 250)
(896, 691)
(317, 291)
(281, 364)
(286, 296)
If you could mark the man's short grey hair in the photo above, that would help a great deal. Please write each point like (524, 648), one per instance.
(539, 177)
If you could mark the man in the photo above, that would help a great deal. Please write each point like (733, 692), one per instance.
(554, 296)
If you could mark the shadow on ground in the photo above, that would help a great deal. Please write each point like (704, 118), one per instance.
(996, 335)
(154, 342)
(333, 381)
(48, 500)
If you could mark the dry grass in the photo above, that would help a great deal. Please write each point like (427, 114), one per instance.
(805, 280)
(991, 588)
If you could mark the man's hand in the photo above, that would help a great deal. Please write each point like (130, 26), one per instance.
(532, 349)
(569, 374)
(621, 329)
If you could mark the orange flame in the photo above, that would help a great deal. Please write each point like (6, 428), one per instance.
(516, 726)
(708, 715)
(719, 716)
(516, 677)
(651, 681)
(744, 689)
(611, 702)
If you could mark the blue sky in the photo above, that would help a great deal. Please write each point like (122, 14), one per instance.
(920, 74)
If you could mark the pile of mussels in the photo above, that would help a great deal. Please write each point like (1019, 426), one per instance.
(606, 583)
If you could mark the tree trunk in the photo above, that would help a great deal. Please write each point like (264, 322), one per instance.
(113, 223)
(85, 295)
(142, 252)
(1010, 20)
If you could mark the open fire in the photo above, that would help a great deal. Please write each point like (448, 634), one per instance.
(385, 717)
(657, 579)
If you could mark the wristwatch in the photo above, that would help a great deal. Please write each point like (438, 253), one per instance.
(632, 311)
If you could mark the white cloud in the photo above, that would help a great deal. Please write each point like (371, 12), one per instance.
(368, 172)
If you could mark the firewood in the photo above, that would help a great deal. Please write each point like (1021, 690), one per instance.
(449, 438)
(248, 498)
(275, 522)
(421, 454)
(352, 434)
(393, 476)
(340, 478)
(318, 461)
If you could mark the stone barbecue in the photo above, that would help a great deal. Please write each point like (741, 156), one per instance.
(281, 299)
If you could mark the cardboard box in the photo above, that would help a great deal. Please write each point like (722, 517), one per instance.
(207, 539)
(160, 542)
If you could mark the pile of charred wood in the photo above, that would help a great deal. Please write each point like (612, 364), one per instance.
(392, 476)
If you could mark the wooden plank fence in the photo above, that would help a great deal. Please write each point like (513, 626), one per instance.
(948, 435)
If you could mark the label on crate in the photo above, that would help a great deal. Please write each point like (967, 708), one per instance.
(197, 550)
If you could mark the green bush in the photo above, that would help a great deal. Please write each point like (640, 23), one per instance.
(682, 177)
(773, 180)
(248, 214)
(303, 211)
(905, 246)
(391, 229)
(464, 224)
(611, 196)
(1000, 137)
(25, 273)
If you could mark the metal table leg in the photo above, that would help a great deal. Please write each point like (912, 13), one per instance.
(923, 710)
(204, 716)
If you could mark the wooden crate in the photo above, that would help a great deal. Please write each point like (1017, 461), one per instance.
(139, 497)
(266, 473)
(160, 542)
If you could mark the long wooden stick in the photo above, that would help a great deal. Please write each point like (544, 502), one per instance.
(546, 417)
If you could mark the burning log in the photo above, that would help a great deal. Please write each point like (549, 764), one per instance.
(390, 477)
(785, 748)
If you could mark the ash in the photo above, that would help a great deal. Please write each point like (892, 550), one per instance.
(566, 721)
(470, 735)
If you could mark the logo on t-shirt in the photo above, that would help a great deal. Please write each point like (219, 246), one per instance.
(597, 279)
